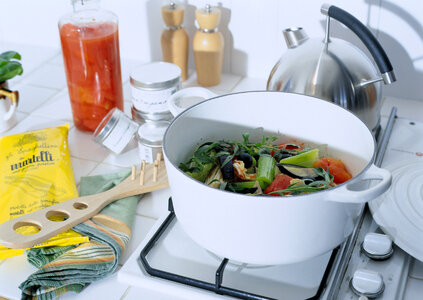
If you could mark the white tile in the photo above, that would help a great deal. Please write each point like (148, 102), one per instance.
(393, 156)
(400, 33)
(32, 97)
(410, 109)
(58, 107)
(103, 168)
(81, 167)
(416, 269)
(19, 117)
(127, 91)
(135, 293)
(107, 288)
(154, 204)
(127, 108)
(127, 158)
(191, 79)
(13, 272)
(34, 123)
(57, 60)
(413, 289)
(82, 145)
(32, 56)
(48, 75)
(141, 227)
(251, 84)
(405, 136)
(127, 65)
(227, 83)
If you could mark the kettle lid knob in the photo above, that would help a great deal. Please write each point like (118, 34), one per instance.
(294, 37)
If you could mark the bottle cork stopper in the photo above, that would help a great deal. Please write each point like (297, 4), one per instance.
(208, 17)
(173, 14)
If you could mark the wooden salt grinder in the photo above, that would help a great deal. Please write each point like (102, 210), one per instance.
(174, 39)
(208, 46)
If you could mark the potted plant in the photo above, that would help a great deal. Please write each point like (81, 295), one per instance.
(9, 68)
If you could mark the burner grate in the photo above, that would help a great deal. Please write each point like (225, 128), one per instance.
(216, 286)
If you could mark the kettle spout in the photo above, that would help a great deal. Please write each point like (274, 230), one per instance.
(294, 37)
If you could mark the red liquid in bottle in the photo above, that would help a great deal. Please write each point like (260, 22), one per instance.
(92, 62)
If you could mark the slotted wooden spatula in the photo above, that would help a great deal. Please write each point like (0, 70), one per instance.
(150, 178)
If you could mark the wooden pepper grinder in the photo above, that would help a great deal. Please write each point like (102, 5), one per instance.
(208, 46)
(174, 39)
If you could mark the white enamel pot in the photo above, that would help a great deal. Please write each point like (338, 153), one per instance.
(262, 229)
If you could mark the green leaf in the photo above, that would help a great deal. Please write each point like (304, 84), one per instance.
(10, 70)
(8, 55)
(3, 62)
(246, 137)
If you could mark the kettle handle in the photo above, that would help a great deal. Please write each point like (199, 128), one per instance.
(368, 39)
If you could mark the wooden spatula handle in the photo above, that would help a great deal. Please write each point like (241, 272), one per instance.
(77, 210)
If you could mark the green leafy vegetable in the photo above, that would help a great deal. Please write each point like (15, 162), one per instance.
(312, 186)
(266, 169)
(9, 67)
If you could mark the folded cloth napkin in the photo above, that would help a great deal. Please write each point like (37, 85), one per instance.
(71, 268)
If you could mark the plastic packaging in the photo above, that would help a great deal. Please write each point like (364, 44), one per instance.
(36, 172)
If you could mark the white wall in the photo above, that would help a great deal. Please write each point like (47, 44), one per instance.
(252, 30)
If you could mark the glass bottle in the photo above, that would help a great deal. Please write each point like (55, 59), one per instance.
(90, 47)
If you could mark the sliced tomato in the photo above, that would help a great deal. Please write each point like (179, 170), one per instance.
(281, 182)
(336, 168)
(290, 146)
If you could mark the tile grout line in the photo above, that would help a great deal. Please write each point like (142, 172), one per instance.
(44, 62)
(125, 293)
(237, 84)
(56, 92)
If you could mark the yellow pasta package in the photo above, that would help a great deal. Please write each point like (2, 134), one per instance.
(36, 172)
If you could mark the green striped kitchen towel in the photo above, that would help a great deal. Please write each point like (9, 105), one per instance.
(71, 268)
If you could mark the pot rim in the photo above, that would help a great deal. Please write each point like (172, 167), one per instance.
(303, 196)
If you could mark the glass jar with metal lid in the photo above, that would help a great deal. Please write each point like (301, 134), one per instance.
(115, 131)
(150, 139)
(151, 86)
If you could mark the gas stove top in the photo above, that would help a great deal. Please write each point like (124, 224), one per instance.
(171, 266)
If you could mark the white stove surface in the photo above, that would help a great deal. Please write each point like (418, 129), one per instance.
(179, 254)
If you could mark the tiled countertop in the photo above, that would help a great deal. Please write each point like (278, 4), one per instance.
(44, 102)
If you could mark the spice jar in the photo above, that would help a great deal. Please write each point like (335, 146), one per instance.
(90, 47)
(115, 131)
(138, 116)
(150, 139)
(151, 86)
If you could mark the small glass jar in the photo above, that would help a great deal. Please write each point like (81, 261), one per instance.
(150, 139)
(138, 116)
(115, 131)
(151, 86)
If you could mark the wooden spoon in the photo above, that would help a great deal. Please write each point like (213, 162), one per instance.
(150, 178)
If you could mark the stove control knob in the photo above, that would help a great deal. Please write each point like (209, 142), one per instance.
(377, 246)
(367, 283)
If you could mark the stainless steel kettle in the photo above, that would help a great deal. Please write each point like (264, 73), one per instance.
(334, 69)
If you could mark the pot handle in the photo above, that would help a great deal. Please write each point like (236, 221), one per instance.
(345, 194)
(174, 104)
(365, 35)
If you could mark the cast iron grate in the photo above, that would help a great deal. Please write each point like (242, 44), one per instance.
(216, 286)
